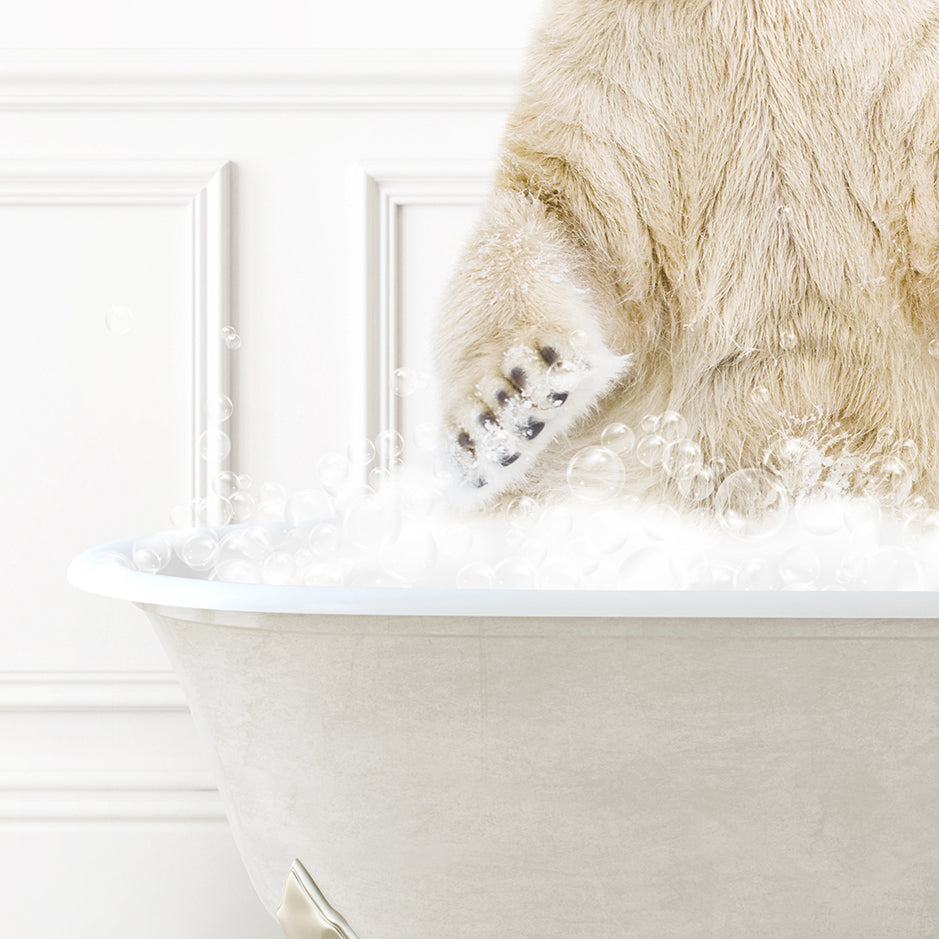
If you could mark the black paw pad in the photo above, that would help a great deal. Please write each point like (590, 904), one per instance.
(488, 419)
(550, 355)
(558, 398)
(466, 442)
(509, 460)
(531, 430)
(502, 397)
(519, 378)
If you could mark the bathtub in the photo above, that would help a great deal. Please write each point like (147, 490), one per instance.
(444, 764)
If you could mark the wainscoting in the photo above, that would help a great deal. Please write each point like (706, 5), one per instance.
(312, 201)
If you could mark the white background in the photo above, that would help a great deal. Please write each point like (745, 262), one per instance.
(110, 825)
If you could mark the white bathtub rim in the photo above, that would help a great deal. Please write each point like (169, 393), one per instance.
(92, 572)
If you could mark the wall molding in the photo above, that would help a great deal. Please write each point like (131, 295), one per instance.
(203, 188)
(390, 187)
(60, 796)
(213, 79)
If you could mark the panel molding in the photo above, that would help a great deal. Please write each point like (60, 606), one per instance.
(112, 796)
(390, 187)
(287, 79)
(203, 188)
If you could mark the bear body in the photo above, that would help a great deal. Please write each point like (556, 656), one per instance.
(726, 210)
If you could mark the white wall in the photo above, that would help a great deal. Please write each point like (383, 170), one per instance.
(233, 24)
(348, 181)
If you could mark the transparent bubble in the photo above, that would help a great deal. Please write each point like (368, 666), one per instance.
(672, 426)
(119, 321)
(618, 437)
(908, 451)
(650, 424)
(151, 554)
(861, 514)
(225, 484)
(933, 348)
(116, 559)
(390, 447)
(308, 505)
(214, 445)
(516, 574)
(198, 513)
(243, 506)
(237, 571)
(251, 543)
(406, 382)
(595, 474)
(273, 492)
(723, 576)
(681, 457)
(219, 408)
(556, 521)
(887, 479)
(324, 539)
(476, 576)
(245, 482)
(761, 395)
(199, 549)
(455, 540)
(822, 514)
(696, 483)
(915, 507)
(426, 437)
(279, 568)
(371, 520)
(659, 522)
(799, 567)
(412, 555)
(853, 570)
(756, 574)
(610, 529)
(796, 462)
(894, 568)
(521, 512)
(886, 438)
(332, 471)
(788, 339)
(650, 450)
(751, 502)
(230, 337)
(361, 452)
(321, 575)
(578, 339)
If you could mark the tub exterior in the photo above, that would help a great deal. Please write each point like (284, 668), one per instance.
(447, 777)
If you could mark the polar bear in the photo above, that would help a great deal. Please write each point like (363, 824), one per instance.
(726, 210)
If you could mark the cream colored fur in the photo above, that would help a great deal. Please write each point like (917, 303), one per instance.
(742, 196)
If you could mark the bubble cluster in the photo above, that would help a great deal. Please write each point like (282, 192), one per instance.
(366, 519)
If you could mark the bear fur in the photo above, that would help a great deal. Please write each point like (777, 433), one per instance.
(727, 209)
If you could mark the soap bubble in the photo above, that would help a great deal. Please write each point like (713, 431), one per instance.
(521, 512)
(682, 456)
(360, 453)
(252, 543)
(151, 554)
(933, 348)
(861, 515)
(406, 382)
(378, 477)
(672, 426)
(225, 484)
(230, 337)
(650, 424)
(476, 576)
(219, 408)
(751, 502)
(324, 539)
(556, 521)
(618, 437)
(515, 573)
(650, 450)
(788, 339)
(236, 571)
(321, 575)
(214, 445)
(756, 574)
(308, 505)
(199, 549)
(908, 451)
(796, 462)
(119, 321)
(390, 446)
(696, 483)
(116, 559)
(243, 506)
(853, 570)
(887, 479)
(456, 540)
(761, 395)
(595, 474)
(558, 575)
(650, 568)
(799, 567)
